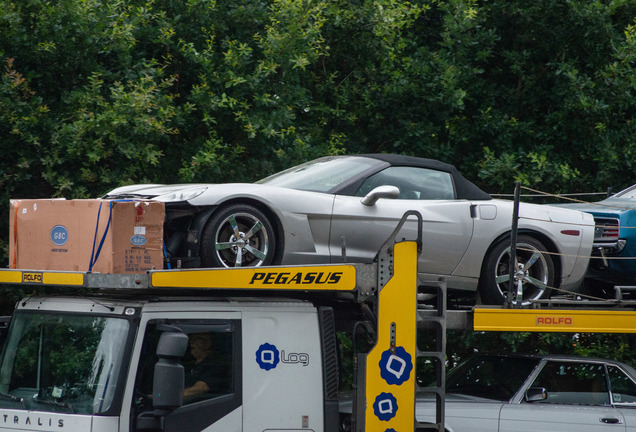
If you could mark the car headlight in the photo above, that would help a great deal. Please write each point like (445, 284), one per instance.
(182, 195)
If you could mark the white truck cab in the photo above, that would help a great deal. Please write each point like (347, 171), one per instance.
(85, 364)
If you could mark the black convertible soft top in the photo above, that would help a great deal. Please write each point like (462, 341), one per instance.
(464, 188)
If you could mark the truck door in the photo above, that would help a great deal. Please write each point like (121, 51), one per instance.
(213, 386)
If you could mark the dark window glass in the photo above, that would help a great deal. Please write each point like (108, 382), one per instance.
(497, 378)
(623, 388)
(413, 183)
(208, 366)
(574, 383)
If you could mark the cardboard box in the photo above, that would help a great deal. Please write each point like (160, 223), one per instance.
(58, 234)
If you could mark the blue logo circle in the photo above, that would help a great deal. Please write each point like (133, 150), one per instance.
(59, 235)
(385, 406)
(395, 368)
(267, 356)
(138, 240)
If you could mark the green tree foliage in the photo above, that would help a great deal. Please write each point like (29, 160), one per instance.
(96, 93)
(562, 85)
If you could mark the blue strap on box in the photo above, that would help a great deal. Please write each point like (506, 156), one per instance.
(94, 254)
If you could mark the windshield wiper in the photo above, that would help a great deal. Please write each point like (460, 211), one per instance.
(14, 398)
(54, 403)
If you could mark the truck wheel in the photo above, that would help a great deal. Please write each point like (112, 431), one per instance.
(238, 235)
(535, 272)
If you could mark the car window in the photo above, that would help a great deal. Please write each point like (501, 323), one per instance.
(497, 378)
(623, 388)
(573, 383)
(414, 183)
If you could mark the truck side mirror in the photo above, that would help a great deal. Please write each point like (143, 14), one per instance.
(169, 375)
(168, 381)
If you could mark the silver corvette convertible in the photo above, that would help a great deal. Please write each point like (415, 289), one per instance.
(341, 208)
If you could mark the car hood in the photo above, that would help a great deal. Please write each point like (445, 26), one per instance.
(610, 205)
(202, 194)
(152, 190)
(159, 192)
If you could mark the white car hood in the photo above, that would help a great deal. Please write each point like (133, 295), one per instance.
(152, 190)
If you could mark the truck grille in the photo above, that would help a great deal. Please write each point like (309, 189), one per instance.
(606, 230)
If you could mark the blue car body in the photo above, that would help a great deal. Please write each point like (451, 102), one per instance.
(614, 250)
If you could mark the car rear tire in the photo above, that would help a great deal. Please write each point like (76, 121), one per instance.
(535, 272)
(238, 235)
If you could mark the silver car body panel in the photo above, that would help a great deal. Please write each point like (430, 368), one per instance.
(559, 418)
(454, 242)
(492, 416)
(304, 216)
(319, 226)
(549, 222)
(465, 413)
(462, 414)
(447, 229)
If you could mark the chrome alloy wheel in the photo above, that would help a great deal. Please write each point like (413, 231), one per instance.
(531, 276)
(241, 240)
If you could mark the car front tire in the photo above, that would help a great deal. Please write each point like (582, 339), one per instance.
(238, 235)
(534, 273)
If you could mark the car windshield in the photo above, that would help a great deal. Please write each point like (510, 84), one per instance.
(321, 175)
(62, 363)
(490, 377)
(629, 193)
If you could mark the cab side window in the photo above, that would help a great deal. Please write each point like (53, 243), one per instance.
(414, 183)
(212, 378)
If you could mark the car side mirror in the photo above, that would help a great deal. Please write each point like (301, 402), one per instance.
(536, 394)
(372, 197)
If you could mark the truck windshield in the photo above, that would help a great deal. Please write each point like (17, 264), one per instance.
(62, 363)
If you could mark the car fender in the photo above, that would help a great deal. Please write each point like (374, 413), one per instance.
(304, 216)
(546, 221)
(462, 416)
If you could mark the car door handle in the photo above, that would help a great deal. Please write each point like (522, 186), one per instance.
(610, 420)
